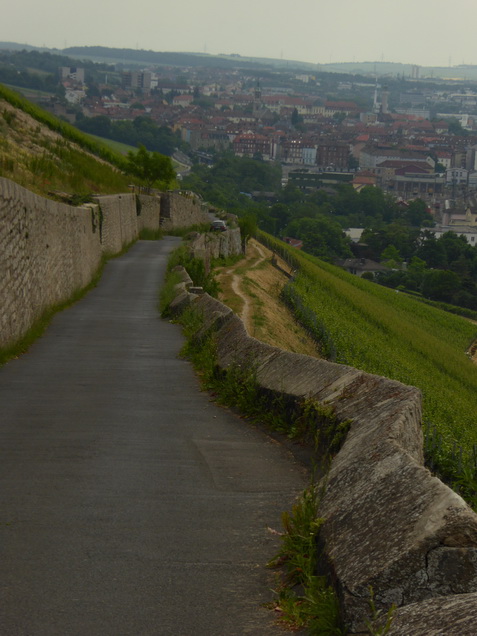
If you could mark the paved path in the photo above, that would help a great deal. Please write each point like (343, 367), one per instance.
(130, 504)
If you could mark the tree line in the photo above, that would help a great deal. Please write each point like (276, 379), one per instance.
(396, 234)
(140, 131)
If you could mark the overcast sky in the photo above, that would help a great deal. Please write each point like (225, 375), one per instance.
(426, 32)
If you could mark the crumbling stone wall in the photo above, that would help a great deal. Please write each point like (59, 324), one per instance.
(389, 524)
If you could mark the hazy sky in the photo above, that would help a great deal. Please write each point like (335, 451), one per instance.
(426, 32)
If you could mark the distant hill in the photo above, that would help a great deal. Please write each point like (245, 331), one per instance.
(396, 69)
(14, 46)
(130, 58)
(141, 57)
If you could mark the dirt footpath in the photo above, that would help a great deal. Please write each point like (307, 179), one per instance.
(251, 288)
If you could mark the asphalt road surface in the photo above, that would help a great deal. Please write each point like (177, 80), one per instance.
(130, 503)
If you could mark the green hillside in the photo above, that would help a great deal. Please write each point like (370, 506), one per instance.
(45, 154)
(388, 333)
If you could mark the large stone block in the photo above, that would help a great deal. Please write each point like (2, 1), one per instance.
(445, 616)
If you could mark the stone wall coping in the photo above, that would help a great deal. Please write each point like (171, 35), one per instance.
(389, 523)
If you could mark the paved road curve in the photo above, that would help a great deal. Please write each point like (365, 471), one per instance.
(130, 505)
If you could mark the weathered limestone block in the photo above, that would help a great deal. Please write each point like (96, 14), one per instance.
(236, 347)
(184, 275)
(386, 517)
(443, 616)
(217, 244)
(301, 375)
(48, 250)
(119, 221)
(181, 300)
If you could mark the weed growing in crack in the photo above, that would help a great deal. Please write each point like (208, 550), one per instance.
(303, 599)
(379, 623)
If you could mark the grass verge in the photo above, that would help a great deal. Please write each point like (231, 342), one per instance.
(303, 599)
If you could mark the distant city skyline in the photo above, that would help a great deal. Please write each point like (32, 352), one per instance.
(427, 33)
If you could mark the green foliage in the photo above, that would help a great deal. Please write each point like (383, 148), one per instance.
(168, 292)
(455, 128)
(63, 128)
(303, 599)
(318, 425)
(184, 231)
(440, 284)
(248, 228)
(63, 167)
(141, 131)
(150, 235)
(321, 236)
(224, 183)
(379, 623)
(395, 336)
(391, 257)
(459, 311)
(151, 167)
(195, 268)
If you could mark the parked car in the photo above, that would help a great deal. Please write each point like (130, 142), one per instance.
(218, 226)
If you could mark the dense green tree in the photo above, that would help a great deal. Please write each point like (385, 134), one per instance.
(417, 214)
(440, 284)
(140, 131)
(248, 228)
(455, 246)
(432, 251)
(291, 195)
(151, 167)
(455, 128)
(391, 257)
(415, 273)
(99, 125)
(281, 213)
(321, 237)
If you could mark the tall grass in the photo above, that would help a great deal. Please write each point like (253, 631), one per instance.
(65, 129)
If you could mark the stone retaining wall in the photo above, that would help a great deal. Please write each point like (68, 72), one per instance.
(182, 211)
(216, 244)
(389, 524)
(49, 250)
(148, 212)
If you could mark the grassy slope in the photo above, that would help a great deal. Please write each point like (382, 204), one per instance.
(43, 153)
(116, 146)
(251, 287)
(387, 333)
